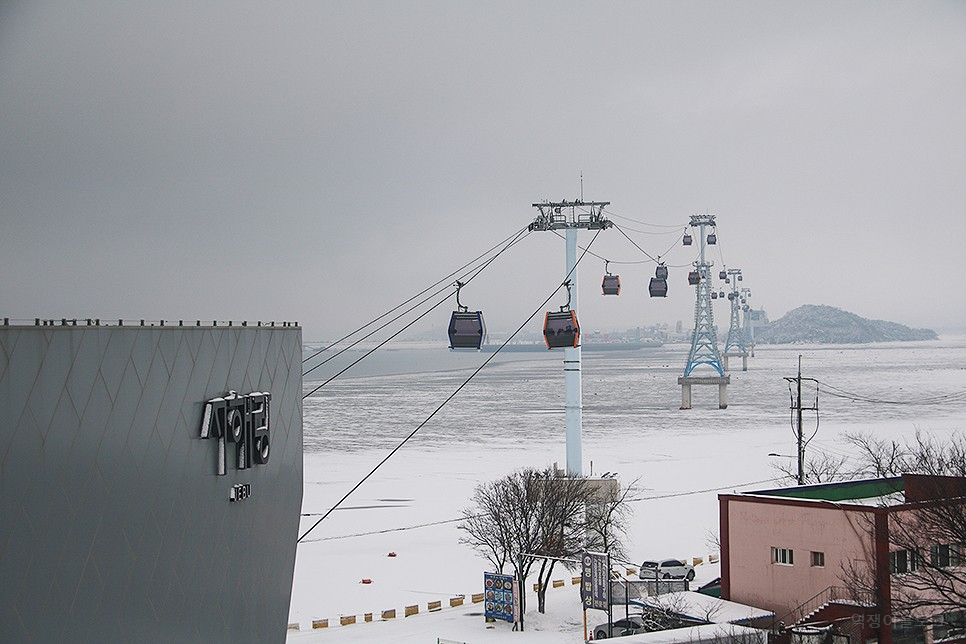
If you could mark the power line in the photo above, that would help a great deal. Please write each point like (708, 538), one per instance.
(929, 400)
(475, 516)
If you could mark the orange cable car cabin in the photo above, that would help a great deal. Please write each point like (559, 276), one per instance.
(560, 329)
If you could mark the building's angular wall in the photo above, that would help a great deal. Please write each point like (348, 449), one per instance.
(114, 526)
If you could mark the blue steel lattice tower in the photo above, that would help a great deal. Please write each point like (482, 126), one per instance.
(704, 342)
(736, 340)
(748, 332)
(735, 347)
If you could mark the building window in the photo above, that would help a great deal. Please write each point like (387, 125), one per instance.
(946, 555)
(948, 626)
(903, 561)
(818, 559)
(782, 556)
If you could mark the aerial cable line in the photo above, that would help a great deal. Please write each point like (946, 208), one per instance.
(643, 223)
(447, 521)
(437, 283)
(463, 280)
(601, 257)
(406, 326)
(642, 261)
(355, 487)
(381, 344)
(653, 259)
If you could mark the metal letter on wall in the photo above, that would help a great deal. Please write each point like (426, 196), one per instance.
(242, 420)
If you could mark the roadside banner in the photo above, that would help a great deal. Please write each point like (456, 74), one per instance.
(595, 580)
(499, 596)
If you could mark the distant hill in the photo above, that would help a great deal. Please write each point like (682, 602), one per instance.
(813, 324)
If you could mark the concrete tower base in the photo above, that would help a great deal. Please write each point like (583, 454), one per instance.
(743, 356)
(687, 381)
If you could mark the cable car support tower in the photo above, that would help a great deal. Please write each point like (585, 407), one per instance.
(735, 346)
(749, 330)
(571, 216)
(704, 341)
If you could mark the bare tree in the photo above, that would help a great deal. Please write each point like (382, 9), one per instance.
(819, 467)
(927, 540)
(607, 521)
(542, 516)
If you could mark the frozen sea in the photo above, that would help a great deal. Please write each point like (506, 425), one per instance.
(511, 415)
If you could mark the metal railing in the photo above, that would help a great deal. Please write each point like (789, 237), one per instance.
(832, 594)
(138, 322)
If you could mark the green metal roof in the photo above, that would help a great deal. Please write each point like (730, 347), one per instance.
(847, 491)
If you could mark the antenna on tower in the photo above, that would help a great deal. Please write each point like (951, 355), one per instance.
(581, 185)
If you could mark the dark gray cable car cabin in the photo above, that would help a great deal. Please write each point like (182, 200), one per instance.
(714, 295)
(694, 277)
(660, 272)
(722, 275)
(611, 284)
(466, 330)
(560, 329)
(657, 287)
(721, 294)
(686, 240)
(712, 239)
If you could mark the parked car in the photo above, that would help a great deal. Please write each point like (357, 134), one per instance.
(666, 569)
(624, 626)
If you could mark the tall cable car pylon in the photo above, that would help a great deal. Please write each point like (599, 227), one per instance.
(748, 328)
(735, 346)
(704, 341)
(572, 216)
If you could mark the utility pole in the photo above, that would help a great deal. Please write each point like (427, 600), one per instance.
(572, 216)
(797, 408)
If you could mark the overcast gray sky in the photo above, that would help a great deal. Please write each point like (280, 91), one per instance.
(323, 161)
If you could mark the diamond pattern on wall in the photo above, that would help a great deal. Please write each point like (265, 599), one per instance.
(114, 525)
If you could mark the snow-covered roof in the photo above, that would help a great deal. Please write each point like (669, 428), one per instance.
(697, 634)
(704, 607)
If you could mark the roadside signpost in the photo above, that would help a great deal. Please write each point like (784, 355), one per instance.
(595, 583)
(500, 592)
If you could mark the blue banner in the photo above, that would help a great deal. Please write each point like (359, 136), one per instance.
(499, 596)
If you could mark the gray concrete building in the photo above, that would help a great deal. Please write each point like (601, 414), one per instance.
(150, 481)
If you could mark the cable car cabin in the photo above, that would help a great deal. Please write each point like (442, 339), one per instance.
(721, 294)
(466, 330)
(714, 295)
(694, 277)
(722, 275)
(560, 329)
(712, 239)
(740, 277)
(686, 240)
(611, 285)
(731, 296)
(660, 272)
(657, 287)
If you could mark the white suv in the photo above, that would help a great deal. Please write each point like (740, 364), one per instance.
(666, 569)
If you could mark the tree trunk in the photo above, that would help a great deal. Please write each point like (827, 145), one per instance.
(543, 580)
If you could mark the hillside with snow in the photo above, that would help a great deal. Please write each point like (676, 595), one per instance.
(815, 324)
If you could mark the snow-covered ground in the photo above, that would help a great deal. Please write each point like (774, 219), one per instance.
(511, 416)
